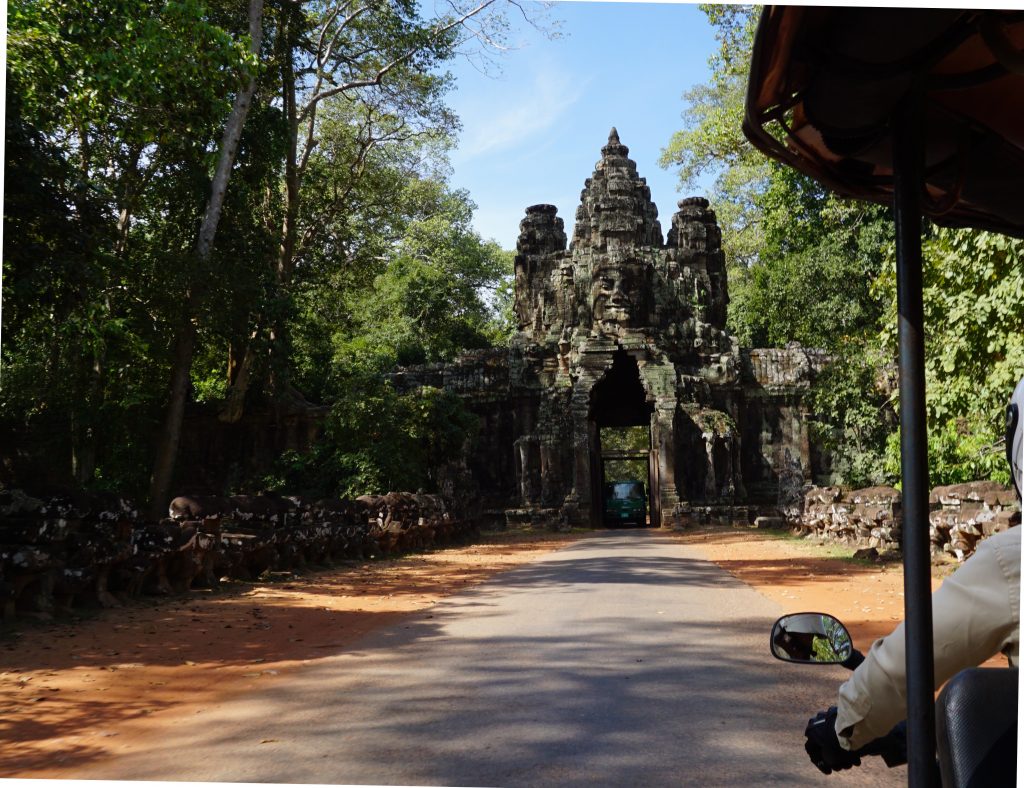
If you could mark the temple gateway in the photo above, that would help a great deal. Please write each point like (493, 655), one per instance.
(623, 328)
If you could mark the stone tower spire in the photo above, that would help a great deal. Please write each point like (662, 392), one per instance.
(615, 205)
(541, 239)
(698, 240)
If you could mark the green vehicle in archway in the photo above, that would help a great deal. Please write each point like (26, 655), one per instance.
(625, 503)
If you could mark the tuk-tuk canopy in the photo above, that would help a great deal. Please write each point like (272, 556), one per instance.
(826, 82)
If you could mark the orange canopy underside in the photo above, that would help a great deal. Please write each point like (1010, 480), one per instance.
(826, 82)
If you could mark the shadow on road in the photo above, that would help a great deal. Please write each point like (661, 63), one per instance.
(683, 695)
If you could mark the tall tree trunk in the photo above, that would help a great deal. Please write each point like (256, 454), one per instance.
(292, 175)
(229, 142)
(241, 377)
(84, 425)
(239, 371)
(170, 436)
(82, 422)
(293, 172)
(181, 369)
(316, 86)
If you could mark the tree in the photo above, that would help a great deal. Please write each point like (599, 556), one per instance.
(812, 283)
(128, 261)
(379, 440)
(805, 265)
(800, 260)
(427, 304)
(856, 415)
(973, 292)
(712, 139)
(184, 346)
(633, 439)
(358, 201)
(381, 59)
(117, 98)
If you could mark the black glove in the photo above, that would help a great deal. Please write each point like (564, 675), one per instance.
(892, 747)
(823, 745)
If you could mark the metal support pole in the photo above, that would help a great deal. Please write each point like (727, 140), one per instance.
(908, 165)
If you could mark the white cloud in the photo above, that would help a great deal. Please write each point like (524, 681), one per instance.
(503, 122)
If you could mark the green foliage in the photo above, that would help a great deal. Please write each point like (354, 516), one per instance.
(106, 62)
(626, 439)
(395, 273)
(958, 452)
(115, 111)
(812, 283)
(111, 111)
(836, 642)
(378, 440)
(427, 303)
(800, 260)
(974, 313)
(807, 266)
(855, 414)
(974, 349)
(712, 139)
(211, 386)
(823, 651)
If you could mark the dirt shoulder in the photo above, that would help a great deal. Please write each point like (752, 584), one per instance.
(86, 688)
(76, 691)
(806, 575)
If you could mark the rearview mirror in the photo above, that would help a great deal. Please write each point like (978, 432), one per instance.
(815, 638)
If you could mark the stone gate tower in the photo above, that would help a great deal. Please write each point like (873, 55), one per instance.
(622, 327)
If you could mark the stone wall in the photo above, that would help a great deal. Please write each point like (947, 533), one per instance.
(779, 455)
(960, 516)
(78, 550)
(482, 378)
(476, 375)
(871, 517)
(780, 369)
(214, 455)
(963, 514)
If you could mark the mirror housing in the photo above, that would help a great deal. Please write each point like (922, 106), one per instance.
(811, 638)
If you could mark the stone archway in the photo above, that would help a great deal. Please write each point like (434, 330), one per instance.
(619, 399)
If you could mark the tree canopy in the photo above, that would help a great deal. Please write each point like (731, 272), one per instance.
(138, 281)
(807, 266)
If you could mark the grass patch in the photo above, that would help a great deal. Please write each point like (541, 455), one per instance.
(814, 546)
(827, 549)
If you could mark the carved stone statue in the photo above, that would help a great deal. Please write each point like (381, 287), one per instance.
(619, 294)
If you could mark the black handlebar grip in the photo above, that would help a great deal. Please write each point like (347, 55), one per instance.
(892, 747)
(853, 661)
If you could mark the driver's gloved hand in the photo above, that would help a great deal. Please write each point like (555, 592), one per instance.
(823, 745)
(892, 747)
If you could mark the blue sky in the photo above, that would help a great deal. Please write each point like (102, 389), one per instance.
(533, 133)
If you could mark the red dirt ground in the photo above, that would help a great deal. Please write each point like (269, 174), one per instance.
(76, 691)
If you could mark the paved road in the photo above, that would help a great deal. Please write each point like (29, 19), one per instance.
(619, 660)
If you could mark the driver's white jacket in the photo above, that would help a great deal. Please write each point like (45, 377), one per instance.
(975, 615)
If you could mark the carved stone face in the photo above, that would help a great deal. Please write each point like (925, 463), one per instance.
(618, 294)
